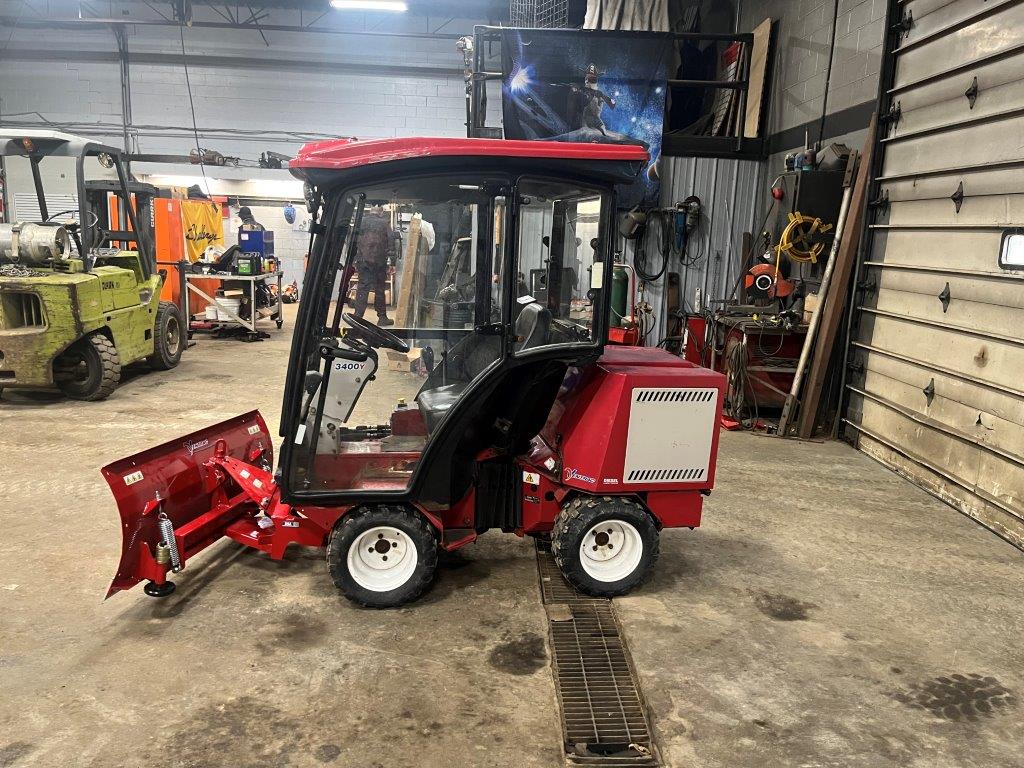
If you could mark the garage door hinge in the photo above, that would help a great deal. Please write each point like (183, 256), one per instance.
(892, 117)
(944, 297)
(881, 203)
(929, 391)
(972, 93)
(903, 25)
(958, 197)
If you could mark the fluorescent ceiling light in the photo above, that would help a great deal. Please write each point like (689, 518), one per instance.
(370, 5)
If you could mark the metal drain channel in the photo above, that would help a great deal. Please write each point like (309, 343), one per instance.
(604, 717)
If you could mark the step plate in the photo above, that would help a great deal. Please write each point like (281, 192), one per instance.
(604, 717)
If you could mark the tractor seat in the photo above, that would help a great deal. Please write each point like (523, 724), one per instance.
(434, 403)
(533, 327)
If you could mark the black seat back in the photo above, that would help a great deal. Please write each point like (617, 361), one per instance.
(533, 327)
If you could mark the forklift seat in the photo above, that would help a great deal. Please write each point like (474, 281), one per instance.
(532, 329)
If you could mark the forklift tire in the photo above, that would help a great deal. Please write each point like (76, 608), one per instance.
(604, 545)
(169, 337)
(91, 367)
(382, 556)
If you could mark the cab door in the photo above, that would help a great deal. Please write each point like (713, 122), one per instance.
(420, 257)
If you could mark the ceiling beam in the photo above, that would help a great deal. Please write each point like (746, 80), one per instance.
(73, 23)
(238, 62)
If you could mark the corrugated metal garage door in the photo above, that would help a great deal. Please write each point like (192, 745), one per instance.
(937, 384)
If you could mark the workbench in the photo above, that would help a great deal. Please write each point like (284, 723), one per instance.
(252, 332)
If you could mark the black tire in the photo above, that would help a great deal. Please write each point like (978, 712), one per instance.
(354, 528)
(89, 369)
(577, 521)
(169, 336)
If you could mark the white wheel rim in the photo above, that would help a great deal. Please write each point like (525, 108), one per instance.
(382, 559)
(611, 550)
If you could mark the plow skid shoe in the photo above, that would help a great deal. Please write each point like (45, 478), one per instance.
(176, 481)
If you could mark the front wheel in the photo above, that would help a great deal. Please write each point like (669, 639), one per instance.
(169, 337)
(604, 545)
(382, 557)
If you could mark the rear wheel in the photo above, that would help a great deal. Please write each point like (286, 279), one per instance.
(604, 545)
(381, 557)
(89, 369)
(168, 336)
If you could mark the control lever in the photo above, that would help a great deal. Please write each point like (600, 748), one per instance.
(311, 384)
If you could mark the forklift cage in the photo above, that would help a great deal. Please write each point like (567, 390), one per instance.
(34, 145)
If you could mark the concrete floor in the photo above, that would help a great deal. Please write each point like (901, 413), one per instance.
(827, 614)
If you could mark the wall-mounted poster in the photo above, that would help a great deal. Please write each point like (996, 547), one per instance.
(591, 87)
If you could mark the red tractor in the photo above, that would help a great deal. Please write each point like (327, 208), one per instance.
(520, 418)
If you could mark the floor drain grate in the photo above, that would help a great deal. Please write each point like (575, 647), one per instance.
(604, 718)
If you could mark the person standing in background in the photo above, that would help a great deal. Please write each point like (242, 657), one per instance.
(249, 223)
(376, 244)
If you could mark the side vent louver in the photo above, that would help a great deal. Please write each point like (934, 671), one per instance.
(673, 395)
(665, 475)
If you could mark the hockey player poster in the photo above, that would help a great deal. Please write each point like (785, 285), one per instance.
(591, 87)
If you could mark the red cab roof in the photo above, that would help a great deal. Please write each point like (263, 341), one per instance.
(340, 154)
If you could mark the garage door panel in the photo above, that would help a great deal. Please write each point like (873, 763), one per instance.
(969, 288)
(975, 251)
(975, 210)
(971, 465)
(979, 399)
(992, 142)
(997, 364)
(933, 17)
(977, 183)
(933, 480)
(943, 408)
(998, 32)
(938, 102)
(960, 315)
(992, 103)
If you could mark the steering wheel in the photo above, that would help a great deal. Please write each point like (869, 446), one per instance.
(374, 333)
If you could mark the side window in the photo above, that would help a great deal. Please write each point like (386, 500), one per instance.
(559, 274)
(1011, 249)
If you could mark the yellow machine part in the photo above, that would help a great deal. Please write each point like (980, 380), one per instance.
(795, 242)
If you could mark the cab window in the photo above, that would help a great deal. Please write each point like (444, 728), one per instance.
(560, 273)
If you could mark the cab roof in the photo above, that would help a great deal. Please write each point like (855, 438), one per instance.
(344, 154)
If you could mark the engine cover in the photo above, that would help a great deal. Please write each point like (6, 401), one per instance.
(639, 420)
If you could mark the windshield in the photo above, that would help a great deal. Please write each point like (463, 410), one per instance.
(421, 258)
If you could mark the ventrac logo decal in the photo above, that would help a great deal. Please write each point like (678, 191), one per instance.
(192, 447)
(575, 474)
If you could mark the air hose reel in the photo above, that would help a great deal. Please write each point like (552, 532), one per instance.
(798, 238)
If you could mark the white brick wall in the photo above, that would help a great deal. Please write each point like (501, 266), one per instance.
(802, 50)
(320, 95)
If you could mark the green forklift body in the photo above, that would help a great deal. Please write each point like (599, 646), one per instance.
(44, 314)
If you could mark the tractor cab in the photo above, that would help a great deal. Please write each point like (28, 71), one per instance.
(494, 267)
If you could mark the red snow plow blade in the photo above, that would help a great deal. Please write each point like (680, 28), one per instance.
(182, 484)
